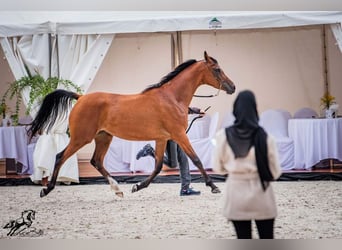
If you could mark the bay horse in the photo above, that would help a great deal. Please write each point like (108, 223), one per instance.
(159, 113)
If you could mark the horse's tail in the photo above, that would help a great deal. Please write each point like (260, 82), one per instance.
(54, 105)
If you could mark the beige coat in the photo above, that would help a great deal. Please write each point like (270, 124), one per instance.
(243, 196)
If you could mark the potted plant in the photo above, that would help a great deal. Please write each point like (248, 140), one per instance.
(38, 87)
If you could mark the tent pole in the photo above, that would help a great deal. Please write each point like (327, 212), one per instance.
(179, 47)
(325, 59)
(173, 52)
(176, 49)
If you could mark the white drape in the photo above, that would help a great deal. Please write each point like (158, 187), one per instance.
(337, 31)
(80, 57)
(29, 50)
(71, 57)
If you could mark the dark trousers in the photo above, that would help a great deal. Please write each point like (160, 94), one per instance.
(175, 156)
(243, 228)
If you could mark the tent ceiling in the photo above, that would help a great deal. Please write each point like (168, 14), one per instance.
(14, 23)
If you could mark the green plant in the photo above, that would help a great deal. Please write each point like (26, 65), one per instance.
(3, 110)
(38, 89)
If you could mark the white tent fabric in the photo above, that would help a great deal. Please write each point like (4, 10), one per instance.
(80, 57)
(29, 50)
(113, 22)
(337, 31)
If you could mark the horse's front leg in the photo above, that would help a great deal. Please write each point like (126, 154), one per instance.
(184, 143)
(159, 154)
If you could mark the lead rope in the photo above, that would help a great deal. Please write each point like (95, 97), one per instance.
(208, 96)
(195, 118)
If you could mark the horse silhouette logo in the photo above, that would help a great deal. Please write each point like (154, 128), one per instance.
(22, 225)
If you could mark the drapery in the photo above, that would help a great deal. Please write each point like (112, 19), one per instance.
(70, 57)
(80, 57)
(337, 31)
(29, 50)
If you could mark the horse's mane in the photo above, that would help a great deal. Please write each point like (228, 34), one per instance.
(171, 75)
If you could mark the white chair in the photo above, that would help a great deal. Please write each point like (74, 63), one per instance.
(204, 146)
(286, 113)
(305, 113)
(275, 123)
(25, 120)
(121, 157)
(114, 160)
(227, 120)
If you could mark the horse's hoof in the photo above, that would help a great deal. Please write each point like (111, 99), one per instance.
(135, 188)
(42, 193)
(215, 190)
(120, 194)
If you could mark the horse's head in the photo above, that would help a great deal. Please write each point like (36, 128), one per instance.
(217, 78)
(28, 215)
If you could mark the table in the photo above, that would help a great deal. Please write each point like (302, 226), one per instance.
(315, 140)
(13, 146)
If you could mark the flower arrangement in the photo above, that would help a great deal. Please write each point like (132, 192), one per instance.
(327, 100)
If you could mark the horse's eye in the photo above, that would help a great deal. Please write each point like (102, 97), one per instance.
(217, 70)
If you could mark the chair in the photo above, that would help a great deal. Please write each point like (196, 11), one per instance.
(121, 157)
(275, 122)
(227, 120)
(204, 146)
(25, 120)
(305, 113)
(114, 160)
(286, 113)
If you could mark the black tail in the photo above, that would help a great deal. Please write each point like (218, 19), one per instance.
(54, 105)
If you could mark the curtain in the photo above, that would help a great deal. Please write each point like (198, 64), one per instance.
(70, 57)
(29, 50)
(337, 31)
(80, 57)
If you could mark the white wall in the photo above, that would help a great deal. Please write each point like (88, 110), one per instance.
(282, 67)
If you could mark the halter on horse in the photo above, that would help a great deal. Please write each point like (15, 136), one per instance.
(159, 113)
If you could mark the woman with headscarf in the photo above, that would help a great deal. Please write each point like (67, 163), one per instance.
(249, 156)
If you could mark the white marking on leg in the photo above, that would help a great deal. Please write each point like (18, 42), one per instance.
(114, 185)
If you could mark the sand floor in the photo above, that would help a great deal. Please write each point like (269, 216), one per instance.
(307, 210)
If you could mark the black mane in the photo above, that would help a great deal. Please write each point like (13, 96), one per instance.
(171, 75)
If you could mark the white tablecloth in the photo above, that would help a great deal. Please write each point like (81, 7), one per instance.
(13, 145)
(315, 140)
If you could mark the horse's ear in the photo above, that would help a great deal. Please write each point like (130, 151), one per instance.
(206, 57)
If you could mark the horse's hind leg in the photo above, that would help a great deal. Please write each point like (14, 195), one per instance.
(159, 153)
(187, 148)
(102, 142)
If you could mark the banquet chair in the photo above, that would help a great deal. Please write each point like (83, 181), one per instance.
(286, 113)
(305, 113)
(275, 122)
(114, 160)
(25, 120)
(228, 120)
(204, 146)
(121, 157)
